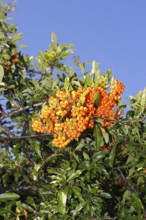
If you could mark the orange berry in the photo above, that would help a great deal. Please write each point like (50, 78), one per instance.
(15, 60)
(7, 69)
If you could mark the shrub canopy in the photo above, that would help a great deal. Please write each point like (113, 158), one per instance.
(70, 148)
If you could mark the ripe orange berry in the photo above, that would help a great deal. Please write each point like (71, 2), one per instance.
(7, 69)
(15, 60)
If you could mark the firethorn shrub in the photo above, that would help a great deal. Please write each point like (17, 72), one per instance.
(70, 148)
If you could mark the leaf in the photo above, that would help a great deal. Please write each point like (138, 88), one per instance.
(9, 196)
(80, 146)
(98, 155)
(131, 171)
(81, 66)
(87, 80)
(137, 202)
(22, 46)
(1, 73)
(96, 99)
(130, 114)
(112, 156)
(78, 193)
(16, 38)
(2, 15)
(143, 98)
(49, 121)
(126, 195)
(66, 84)
(62, 199)
(52, 157)
(78, 208)
(140, 180)
(104, 171)
(83, 97)
(105, 195)
(27, 207)
(74, 175)
(97, 137)
(53, 38)
(38, 149)
(86, 156)
(94, 67)
(105, 135)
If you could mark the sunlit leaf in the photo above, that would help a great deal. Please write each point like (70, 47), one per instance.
(96, 99)
(1, 73)
(53, 38)
(74, 175)
(9, 196)
(62, 199)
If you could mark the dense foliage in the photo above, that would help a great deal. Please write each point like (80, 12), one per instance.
(67, 149)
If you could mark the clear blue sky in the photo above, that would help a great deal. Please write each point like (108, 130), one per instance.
(111, 31)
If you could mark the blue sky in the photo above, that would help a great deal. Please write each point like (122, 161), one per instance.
(113, 32)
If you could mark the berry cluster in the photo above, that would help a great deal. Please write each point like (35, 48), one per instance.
(71, 113)
(8, 63)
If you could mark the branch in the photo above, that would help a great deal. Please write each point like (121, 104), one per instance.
(2, 112)
(31, 71)
(133, 120)
(6, 130)
(126, 184)
(28, 136)
(35, 71)
(6, 115)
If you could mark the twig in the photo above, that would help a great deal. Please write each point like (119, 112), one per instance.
(126, 184)
(29, 136)
(35, 71)
(6, 115)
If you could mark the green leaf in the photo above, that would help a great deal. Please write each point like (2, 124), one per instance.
(16, 38)
(80, 145)
(52, 157)
(87, 80)
(96, 99)
(86, 156)
(22, 46)
(137, 202)
(49, 121)
(140, 180)
(62, 199)
(98, 155)
(78, 208)
(1, 73)
(66, 84)
(38, 149)
(77, 193)
(74, 175)
(2, 15)
(105, 135)
(131, 171)
(27, 207)
(9, 196)
(82, 98)
(130, 114)
(126, 195)
(112, 156)
(97, 137)
(53, 38)
(105, 195)
(94, 67)
(81, 66)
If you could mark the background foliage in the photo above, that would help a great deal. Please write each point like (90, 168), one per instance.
(96, 176)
